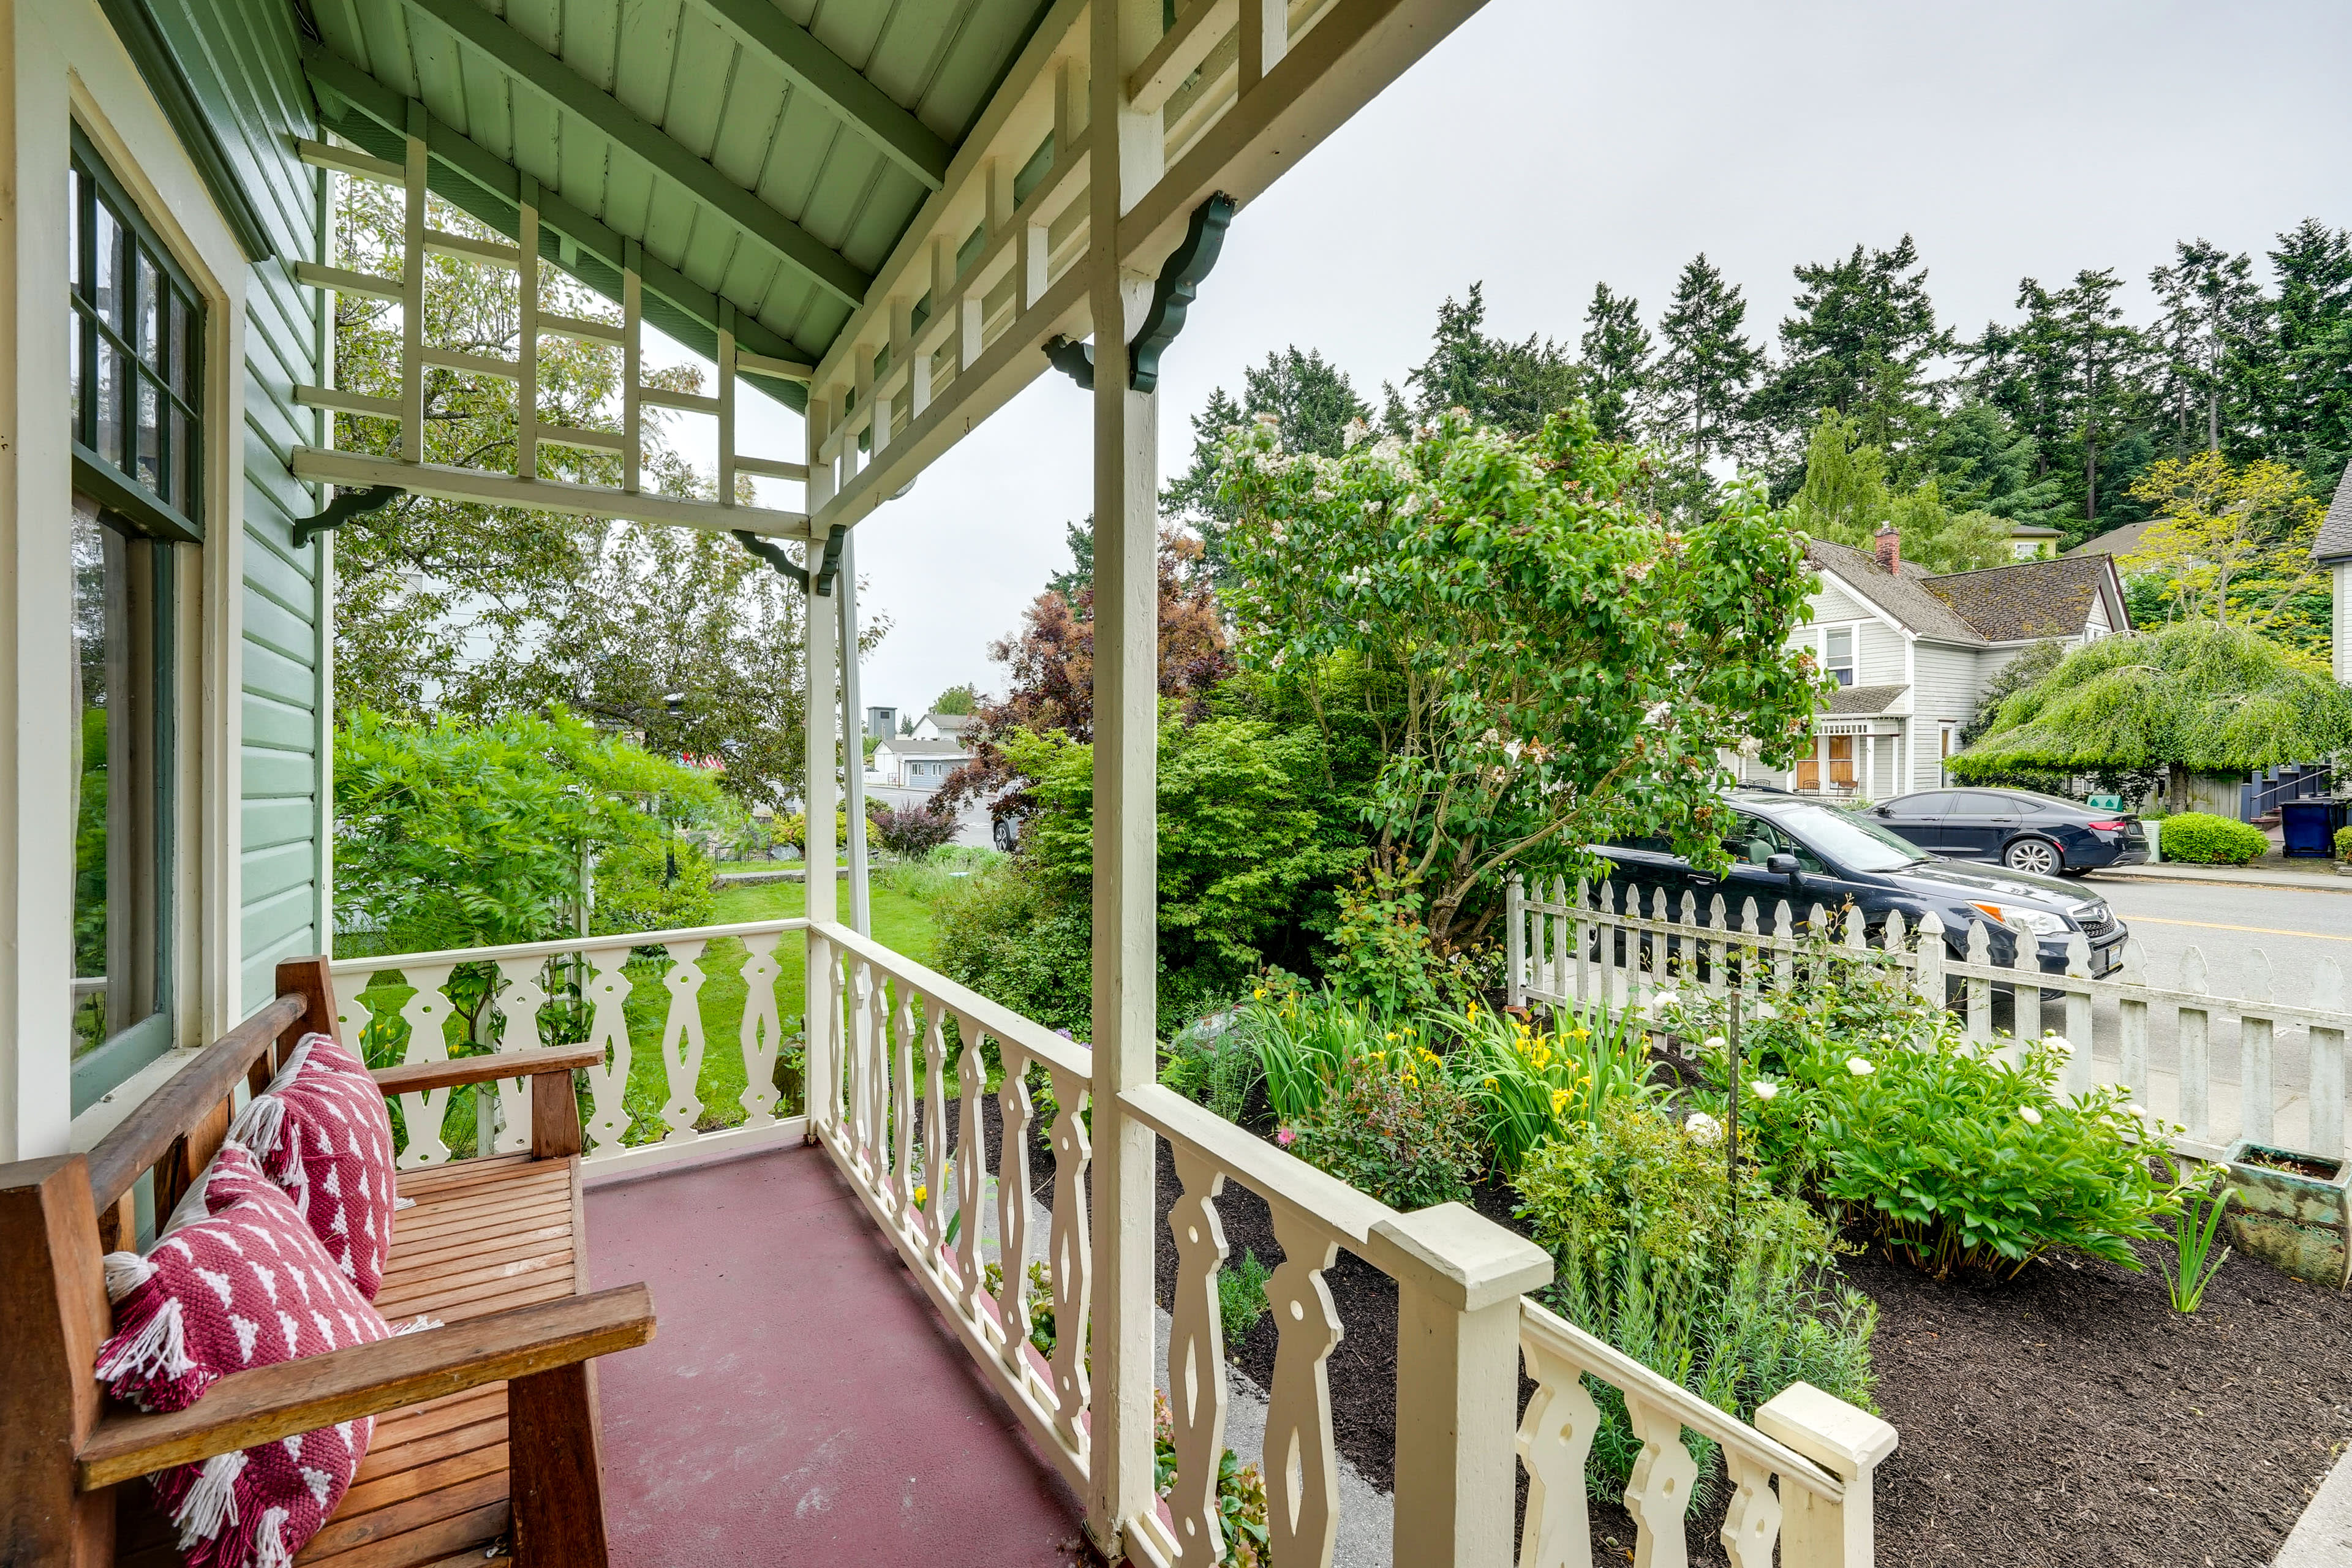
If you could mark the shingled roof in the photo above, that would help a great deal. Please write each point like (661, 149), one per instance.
(2027, 599)
(2335, 541)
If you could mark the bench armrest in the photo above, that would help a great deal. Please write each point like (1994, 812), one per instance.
(416, 1078)
(272, 1402)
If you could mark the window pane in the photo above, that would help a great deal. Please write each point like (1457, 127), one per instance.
(73, 230)
(73, 372)
(180, 380)
(149, 338)
(110, 261)
(150, 437)
(183, 464)
(110, 402)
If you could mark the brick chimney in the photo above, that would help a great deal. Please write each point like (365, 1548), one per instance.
(1890, 548)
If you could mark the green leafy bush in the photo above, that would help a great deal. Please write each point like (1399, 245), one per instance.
(1240, 1295)
(1857, 1091)
(2197, 837)
(1213, 1062)
(1393, 1126)
(1637, 1213)
(1528, 1085)
(1305, 1041)
(2344, 844)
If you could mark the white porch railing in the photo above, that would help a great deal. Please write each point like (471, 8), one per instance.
(879, 1091)
(1579, 944)
(589, 974)
(1464, 1323)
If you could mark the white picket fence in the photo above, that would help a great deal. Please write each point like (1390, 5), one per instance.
(1588, 944)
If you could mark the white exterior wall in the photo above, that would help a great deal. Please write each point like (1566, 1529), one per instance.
(2344, 621)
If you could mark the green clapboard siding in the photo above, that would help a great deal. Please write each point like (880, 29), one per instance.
(242, 62)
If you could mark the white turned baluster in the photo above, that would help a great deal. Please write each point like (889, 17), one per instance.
(1301, 1465)
(761, 1033)
(1071, 1253)
(2327, 1061)
(1196, 1363)
(2026, 960)
(1693, 954)
(972, 1169)
(862, 1150)
(519, 997)
(1555, 1437)
(608, 1025)
(1718, 919)
(1929, 953)
(682, 1043)
(902, 1109)
(1751, 1526)
(2079, 1066)
(877, 1087)
(1012, 1206)
(935, 1130)
(2254, 1033)
(2131, 1024)
(2196, 1051)
(1784, 945)
(1751, 949)
(353, 1016)
(1979, 990)
(1659, 1492)
(426, 1014)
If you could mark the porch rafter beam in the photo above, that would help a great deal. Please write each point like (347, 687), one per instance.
(488, 189)
(640, 139)
(906, 140)
(358, 470)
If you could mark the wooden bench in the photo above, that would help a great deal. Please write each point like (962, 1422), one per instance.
(486, 1427)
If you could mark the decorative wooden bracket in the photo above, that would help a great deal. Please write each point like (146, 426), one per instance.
(1171, 297)
(774, 555)
(347, 505)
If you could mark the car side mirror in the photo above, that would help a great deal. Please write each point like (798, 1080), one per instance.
(1780, 865)
(1881, 811)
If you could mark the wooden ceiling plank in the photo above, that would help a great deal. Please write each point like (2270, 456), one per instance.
(528, 63)
(894, 131)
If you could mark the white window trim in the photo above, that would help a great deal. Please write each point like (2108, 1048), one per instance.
(69, 69)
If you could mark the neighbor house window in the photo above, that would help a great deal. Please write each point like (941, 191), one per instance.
(135, 328)
(1837, 654)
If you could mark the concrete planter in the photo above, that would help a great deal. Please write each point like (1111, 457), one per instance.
(2293, 1211)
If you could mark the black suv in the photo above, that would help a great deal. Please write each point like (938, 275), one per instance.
(2016, 829)
(1786, 848)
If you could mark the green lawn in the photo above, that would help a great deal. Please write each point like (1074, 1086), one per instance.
(902, 922)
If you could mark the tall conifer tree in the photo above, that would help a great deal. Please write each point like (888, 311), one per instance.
(1708, 367)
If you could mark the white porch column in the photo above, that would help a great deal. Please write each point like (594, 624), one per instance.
(1125, 159)
(853, 737)
(821, 1072)
(1868, 788)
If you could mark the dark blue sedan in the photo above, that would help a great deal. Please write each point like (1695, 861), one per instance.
(2017, 829)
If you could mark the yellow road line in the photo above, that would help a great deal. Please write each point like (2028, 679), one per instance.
(2260, 930)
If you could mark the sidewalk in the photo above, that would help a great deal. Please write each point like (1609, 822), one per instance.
(2271, 872)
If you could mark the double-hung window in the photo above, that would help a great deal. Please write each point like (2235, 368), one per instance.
(135, 363)
(1837, 654)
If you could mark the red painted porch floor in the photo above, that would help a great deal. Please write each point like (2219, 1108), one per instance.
(800, 1403)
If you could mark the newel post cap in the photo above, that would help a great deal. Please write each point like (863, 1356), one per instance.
(1844, 1439)
(1459, 1256)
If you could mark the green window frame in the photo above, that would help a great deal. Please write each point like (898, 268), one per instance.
(135, 379)
(135, 361)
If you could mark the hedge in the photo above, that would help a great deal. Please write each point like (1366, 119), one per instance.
(2199, 838)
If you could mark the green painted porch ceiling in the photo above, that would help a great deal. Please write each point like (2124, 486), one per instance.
(770, 151)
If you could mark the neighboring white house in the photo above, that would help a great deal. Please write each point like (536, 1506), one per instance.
(938, 726)
(1912, 650)
(2333, 550)
(913, 761)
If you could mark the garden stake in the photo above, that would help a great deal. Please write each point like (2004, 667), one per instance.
(1731, 1125)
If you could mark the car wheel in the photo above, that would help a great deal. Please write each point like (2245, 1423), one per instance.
(2038, 856)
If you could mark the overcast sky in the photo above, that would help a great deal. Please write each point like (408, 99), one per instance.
(1551, 144)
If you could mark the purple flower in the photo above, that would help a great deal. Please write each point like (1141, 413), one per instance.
(1064, 1033)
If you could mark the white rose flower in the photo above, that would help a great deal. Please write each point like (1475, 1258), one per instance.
(1765, 1088)
(1859, 1066)
(1703, 1127)
(1665, 999)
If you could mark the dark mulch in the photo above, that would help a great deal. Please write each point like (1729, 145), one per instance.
(2067, 1418)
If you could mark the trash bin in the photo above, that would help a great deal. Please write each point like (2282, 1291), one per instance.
(2309, 826)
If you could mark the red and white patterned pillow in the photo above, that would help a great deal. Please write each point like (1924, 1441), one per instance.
(245, 1285)
(322, 1132)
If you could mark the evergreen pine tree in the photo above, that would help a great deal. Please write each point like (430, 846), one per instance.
(1312, 402)
(1708, 368)
(1616, 362)
(1863, 342)
(2303, 382)
(1514, 386)
(2213, 318)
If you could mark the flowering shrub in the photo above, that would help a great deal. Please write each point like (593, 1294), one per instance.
(1305, 1041)
(1527, 1085)
(1638, 1214)
(1856, 1089)
(1393, 1126)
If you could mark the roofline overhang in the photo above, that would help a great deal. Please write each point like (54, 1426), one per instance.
(1877, 611)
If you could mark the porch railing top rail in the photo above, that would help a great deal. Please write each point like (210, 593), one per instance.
(562, 947)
